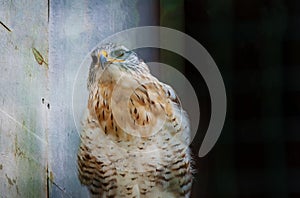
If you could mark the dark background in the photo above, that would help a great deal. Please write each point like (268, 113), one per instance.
(256, 45)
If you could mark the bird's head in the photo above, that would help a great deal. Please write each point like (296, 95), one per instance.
(117, 56)
(111, 53)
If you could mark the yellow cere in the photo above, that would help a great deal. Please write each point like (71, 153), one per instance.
(102, 52)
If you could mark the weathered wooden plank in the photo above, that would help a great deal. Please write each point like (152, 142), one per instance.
(75, 28)
(23, 82)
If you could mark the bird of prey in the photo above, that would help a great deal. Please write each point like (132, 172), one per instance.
(135, 135)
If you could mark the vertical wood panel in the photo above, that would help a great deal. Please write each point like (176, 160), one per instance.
(23, 82)
(75, 28)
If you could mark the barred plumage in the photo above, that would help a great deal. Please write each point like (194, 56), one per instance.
(135, 136)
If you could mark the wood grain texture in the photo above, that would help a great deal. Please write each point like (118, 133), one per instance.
(23, 117)
(76, 27)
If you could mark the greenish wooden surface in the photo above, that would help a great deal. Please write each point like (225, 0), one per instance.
(23, 82)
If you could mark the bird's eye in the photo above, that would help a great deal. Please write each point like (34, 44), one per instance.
(118, 53)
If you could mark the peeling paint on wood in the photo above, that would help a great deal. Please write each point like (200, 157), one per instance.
(10, 182)
(38, 57)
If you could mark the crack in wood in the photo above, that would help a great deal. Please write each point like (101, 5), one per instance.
(48, 10)
(5, 26)
(61, 188)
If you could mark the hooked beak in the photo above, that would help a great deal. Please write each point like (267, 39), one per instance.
(102, 58)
